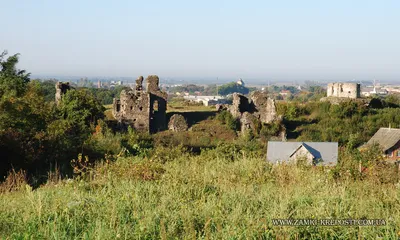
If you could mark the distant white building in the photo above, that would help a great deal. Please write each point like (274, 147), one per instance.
(240, 82)
(206, 100)
(369, 91)
(374, 90)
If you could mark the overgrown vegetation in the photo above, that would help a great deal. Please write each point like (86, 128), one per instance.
(34, 133)
(350, 122)
(232, 87)
(69, 175)
(222, 193)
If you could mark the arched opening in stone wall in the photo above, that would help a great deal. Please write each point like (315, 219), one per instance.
(155, 106)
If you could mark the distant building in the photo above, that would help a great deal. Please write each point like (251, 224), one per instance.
(370, 91)
(206, 100)
(344, 90)
(240, 82)
(285, 93)
(389, 140)
(393, 90)
(314, 153)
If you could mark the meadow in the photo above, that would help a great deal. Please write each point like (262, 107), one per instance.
(222, 193)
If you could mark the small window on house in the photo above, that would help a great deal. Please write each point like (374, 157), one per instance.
(398, 152)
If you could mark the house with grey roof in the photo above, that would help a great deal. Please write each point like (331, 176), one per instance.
(314, 153)
(389, 140)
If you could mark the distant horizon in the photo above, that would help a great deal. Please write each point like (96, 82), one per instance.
(199, 80)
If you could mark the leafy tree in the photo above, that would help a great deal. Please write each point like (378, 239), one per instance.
(23, 117)
(232, 88)
(12, 80)
(226, 118)
(80, 106)
(48, 89)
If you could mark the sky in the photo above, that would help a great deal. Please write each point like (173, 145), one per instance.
(254, 39)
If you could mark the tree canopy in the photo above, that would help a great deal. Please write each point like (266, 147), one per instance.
(232, 87)
(12, 80)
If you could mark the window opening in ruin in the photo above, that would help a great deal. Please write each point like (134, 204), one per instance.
(333, 90)
(349, 91)
(341, 89)
(131, 107)
(140, 108)
(118, 107)
(155, 106)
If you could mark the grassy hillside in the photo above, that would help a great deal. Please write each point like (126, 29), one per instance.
(220, 194)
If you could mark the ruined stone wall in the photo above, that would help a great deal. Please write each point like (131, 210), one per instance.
(240, 104)
(61, 89)
(264, 107)
(158, 104)
(259, 107)
(133, 110)
(143, 110)
(344, 90)
(178, 123)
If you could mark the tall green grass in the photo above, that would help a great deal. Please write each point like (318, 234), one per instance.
(210, 196)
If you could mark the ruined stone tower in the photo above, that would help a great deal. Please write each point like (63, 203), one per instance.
(61, 89)
(145, 111)
(344, 90)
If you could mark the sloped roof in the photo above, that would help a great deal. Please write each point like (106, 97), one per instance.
(386, 138)
(316, 154)
(281, 151)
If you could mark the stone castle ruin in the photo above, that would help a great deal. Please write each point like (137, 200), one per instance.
(344, 90)
(178, 123)
(144, 110)
(61, 89)
(259, 107)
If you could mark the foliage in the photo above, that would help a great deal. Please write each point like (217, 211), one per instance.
(232, 87)
(348, 121)
(12, 80)
(48, 89)
(34, 133)
(226, 118)
(106, 96)
(190, 88)
(139, 143)
(80, 106)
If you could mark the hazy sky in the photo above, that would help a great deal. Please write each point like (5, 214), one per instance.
(279, 39)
